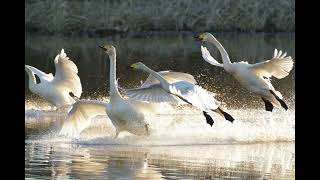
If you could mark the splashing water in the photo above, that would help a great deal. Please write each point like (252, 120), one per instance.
(181, 125)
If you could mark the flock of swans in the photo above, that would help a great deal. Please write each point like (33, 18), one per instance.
(127, 113)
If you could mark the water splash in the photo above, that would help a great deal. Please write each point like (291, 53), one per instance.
(181, 125)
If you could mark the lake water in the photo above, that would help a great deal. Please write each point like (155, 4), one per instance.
(258, 145)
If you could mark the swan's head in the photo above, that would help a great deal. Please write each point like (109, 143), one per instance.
(137, 65)
(204, 37)
(109, 49)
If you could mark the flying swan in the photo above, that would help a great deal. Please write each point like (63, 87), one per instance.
(255, 77)
(166, 86)
(125, 114)
(56, 89)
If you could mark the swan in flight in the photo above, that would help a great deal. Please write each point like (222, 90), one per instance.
(255, 77)
(56, 89)
(125, 114)
(166, 86)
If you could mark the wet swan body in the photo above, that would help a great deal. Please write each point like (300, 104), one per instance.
(255, 77)
(56, 89)
(125, 114)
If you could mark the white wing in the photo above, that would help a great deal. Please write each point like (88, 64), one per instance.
(195, 95)
(80, 115)
(153, 93)
(42, 76)
(279, 66)
(66, 74)
(207, 57)
(170, 76)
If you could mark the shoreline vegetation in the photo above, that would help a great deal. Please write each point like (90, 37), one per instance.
(101, 17)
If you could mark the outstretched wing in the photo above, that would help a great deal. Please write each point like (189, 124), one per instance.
(66, 74)
(170, 76)
(207, 57)
(279, 66)
(42, 76)
(152, 93)
(80, 115)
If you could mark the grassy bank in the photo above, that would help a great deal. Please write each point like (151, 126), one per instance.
(100, 16)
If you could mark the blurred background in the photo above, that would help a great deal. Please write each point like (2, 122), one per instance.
(102, 17)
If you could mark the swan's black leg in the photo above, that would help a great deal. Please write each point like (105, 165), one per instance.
(208, 118)
(283, 104)
(227, 116)
(268, 105)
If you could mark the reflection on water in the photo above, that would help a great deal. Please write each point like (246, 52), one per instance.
(250, 161)
(258, 145)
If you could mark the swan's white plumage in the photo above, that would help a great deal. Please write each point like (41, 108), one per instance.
(42, 76)
(66, 74)
(279, 66)
(195, 95)
(207, 57)
(125, 114)
(186, 91)
(151, 93)
(80, 115)
(56, 88)
(255, 77)
(170, 76)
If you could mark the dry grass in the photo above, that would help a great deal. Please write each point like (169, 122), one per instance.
(100, 16)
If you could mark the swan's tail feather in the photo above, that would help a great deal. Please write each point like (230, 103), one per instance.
(268, 105)
(283, 104)
(208, 118)
(226, 115)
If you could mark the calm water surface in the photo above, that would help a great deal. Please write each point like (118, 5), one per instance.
(258, 145)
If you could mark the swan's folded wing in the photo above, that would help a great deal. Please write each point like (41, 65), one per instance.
(80, 115)
(207, 57)
(66, 75)
(195, 95)
(42, 76)
(279, 66)
(170, 76)
(153, 93)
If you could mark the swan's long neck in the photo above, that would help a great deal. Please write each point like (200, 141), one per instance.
(163, 82)
(32, 78)
(223, 52)
(114, 93)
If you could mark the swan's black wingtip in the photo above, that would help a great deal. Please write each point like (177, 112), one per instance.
(208, 118)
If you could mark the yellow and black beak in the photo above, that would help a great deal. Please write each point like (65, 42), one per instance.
(102, 48)
(133, 66)
(198, 37)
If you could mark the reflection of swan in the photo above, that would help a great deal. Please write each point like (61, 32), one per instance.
(186, 90)
(255, 77)
(56, 89)
(125, 114)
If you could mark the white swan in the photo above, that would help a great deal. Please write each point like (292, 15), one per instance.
(255, 77)
(56, 89)
(125, 114)
(175, 86)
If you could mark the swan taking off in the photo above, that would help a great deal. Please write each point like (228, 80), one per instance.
(125, 114)
(56, 89)
(255, 77)
(168, 86)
